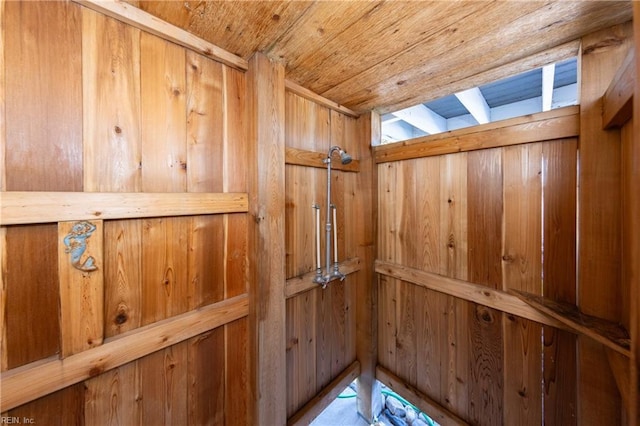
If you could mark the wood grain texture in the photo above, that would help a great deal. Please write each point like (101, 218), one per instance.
(237, 356)
(42, 50)
(522, 269)
(266, 105)
(362, 240)
(599, 194)
(32, 303)
(422, 401)
(484, 203)
(326, 396)
(27, 207)
(206, 374)
(41, 378)
(617, 101)
(304, 343)
(81, 287)
(608, 333)
(144, 21)
(164, 269)
(112, 398)
(555, 124)
(163, 379)
(163, 94)
(453, 216)
(559, 271)
(111, 130)
(634, 229)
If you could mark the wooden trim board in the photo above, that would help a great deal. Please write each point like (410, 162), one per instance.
(297, 285)
(320, 100)
(495, 299)
(19, 208)
(26, 383)
(140, 19)
(301, 157)
(419, 399)
(557, 124)
(617, 102)
(313, 408)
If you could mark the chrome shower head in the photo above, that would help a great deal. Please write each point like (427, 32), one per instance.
(344, 157)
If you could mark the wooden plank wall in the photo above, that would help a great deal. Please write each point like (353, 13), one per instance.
(321, 323)
(501, 218)
(93, 104)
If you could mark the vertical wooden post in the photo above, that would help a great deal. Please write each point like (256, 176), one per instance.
(366, 286)
(266, 94)
(3, 230)
(599, 194)
(634, 230)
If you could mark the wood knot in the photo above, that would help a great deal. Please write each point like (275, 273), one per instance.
(95, 371)
(483, 314)
(121, 318)
(117, 129)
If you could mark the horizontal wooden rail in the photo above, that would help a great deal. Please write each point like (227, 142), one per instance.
(18, 208)
(300, 157)
(145, 21)
(430, 407)
(557, 124)
(297, 285)
(28, 382)
(617, 102)
(495, 299)
(318, 403)
(320, 100)
(610, 334)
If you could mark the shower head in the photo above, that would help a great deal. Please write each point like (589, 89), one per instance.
(344, 157)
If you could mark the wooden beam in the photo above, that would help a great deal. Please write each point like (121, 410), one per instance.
(427, 405)
(301, 157)
(326, 396)
(305, 282)
(495, 299)
(145, 21)
(617, 102)
(363, 224)
(557, 124)
(26, 383)
(548, 73)
(633, 229)
(474, 101)
(41, 207)
(267, 276)
(610, 334)
(423, 118)
(320, 100)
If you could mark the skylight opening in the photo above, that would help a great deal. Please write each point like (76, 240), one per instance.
(542, 89)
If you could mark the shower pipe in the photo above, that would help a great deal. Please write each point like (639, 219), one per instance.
(329, 273)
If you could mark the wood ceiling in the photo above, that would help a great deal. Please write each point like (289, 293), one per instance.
(387, 55)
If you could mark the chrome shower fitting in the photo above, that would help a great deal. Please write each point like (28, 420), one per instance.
(330, 273)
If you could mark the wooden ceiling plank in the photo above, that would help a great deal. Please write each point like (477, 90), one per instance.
(389, 29)
(522, 37)
(237, 26)
(456, 43)
(322, 23)
(556, 54)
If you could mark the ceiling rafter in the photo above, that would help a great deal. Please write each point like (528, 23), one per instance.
(548, 76)
(476, 104)
(423, 118)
